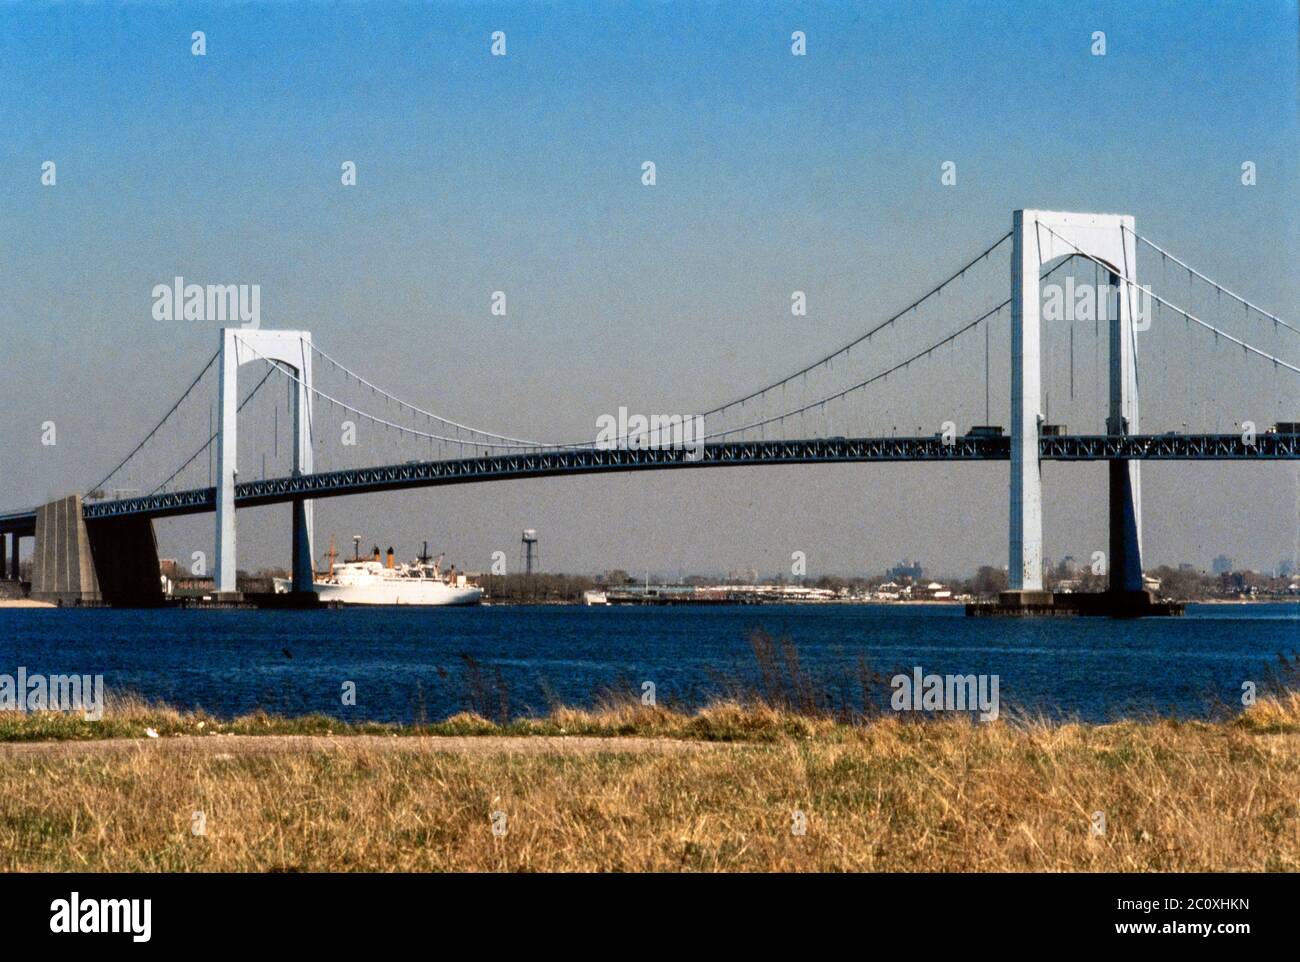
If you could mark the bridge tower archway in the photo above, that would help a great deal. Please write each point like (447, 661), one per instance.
(1039, 237)
(293, 350)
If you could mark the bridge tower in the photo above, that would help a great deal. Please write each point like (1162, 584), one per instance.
(1040, 237)
(292, 350)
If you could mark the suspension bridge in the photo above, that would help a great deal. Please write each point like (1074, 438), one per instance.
(920, 365)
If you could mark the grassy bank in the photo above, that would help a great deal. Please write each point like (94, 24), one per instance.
(884, 794)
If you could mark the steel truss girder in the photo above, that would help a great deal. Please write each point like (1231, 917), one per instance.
(551, 463)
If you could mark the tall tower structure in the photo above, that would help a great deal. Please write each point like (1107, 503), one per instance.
(1039, 238)
(292, 351)
(530, 550)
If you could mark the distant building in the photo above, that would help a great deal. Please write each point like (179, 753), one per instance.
(934, 591)
(905, 570)
(1221, 565)
(1232, 582)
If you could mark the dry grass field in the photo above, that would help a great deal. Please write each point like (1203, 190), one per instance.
(635, 789)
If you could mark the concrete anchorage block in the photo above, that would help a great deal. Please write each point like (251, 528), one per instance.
(63, 570)
(113, 561)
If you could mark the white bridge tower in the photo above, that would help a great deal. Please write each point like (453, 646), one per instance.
(1040, 237)
(292, 350)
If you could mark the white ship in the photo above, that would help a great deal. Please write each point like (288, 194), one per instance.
(372, 582)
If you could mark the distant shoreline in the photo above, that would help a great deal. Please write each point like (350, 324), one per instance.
(927, 602)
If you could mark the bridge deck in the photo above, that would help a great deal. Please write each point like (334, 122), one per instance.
(552, 463)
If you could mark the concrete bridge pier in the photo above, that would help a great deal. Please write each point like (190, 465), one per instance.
(10, 576)
(112, 561)
(125, 556)
(1125, 567)
(304, 574)
(1025, 526)
(62, 569)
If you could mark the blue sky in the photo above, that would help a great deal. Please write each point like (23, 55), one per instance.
(522, 173)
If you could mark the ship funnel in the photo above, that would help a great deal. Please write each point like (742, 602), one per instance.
(389, 562)
(376, 557)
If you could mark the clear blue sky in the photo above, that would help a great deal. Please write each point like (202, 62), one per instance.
(479, 173)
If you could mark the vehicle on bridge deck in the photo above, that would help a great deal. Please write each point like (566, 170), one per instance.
(985, 431)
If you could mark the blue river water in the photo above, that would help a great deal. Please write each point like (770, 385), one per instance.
(415, 664)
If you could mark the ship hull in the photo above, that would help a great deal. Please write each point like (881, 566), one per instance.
(419, 592)
(425, 593)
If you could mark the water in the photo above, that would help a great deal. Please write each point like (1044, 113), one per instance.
(407, 663)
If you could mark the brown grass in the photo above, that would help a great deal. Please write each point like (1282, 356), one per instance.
(886, 795)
